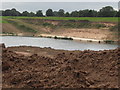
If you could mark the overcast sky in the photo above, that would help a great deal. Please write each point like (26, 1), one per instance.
(67, 6)
(60, 0)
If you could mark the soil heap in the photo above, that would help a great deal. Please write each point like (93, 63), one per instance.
(63, 69)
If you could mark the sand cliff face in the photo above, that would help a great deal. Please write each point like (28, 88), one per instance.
(59, 27)
(33, 67)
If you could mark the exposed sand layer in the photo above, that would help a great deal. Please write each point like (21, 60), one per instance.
(99, 34)
(87, 33)
(33, 67)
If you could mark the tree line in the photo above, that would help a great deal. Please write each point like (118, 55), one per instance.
(107, 11)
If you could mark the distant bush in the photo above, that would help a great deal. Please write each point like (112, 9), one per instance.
(65, 38)
(55, 37)
(9, 33)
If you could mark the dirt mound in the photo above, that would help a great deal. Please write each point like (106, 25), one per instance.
(67, 69)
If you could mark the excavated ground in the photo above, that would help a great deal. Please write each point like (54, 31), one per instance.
(33, 67)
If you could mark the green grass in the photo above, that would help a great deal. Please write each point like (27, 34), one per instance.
(95, 19)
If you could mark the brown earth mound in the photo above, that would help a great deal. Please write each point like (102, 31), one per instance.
(64, 69)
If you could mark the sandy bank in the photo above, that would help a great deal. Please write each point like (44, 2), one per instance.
(73, 38)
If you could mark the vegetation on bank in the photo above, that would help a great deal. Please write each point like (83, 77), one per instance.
(65, 23)
(92, 19)
(109, 41)
(70, 38)
(26, 24)
(81, 25)
(65, 38)
(8, 34)
(21, 26)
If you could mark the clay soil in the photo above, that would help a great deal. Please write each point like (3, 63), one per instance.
(33, 67)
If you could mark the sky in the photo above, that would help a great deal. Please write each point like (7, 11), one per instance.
(60, 0)
(67, 6)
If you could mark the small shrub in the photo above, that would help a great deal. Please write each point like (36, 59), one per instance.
(65, 38)
(55, 37)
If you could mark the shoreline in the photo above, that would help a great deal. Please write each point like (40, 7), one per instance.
(65, 38)
(72, 38)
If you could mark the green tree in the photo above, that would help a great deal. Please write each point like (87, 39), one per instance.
(75, 14)
(67, 14)
(118, 14)
(85, 13)
(80, 13)
(14, 12)
(1, 12)
(25, 13)
(31, 14)
(7, 12)
(107, 11)
(49, 12)
(55, 13)
(61, 13)
(39, 13)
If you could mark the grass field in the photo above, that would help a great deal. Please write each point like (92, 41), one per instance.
(95, 19)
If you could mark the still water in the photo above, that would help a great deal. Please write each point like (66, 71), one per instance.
(54, 43)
